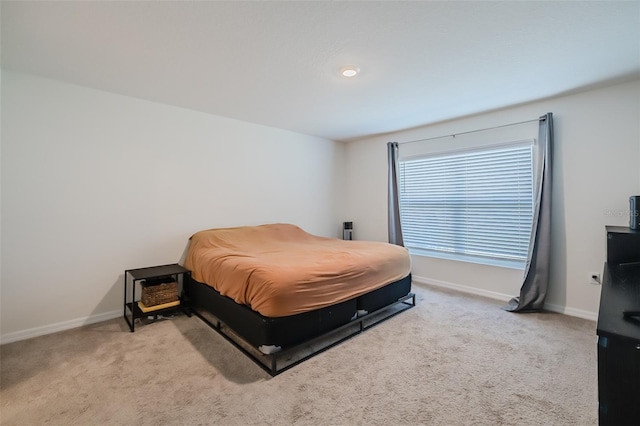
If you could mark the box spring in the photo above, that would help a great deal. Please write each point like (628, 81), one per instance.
(287, 331)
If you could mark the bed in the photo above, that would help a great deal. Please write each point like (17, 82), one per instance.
(276, 287)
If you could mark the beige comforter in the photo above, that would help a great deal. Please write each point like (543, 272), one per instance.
(280, 270)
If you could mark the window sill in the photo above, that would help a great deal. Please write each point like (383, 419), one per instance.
(502, 263)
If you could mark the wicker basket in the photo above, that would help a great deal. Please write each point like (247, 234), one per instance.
(159, 293)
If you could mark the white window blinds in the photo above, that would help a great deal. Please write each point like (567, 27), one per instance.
(472, 205)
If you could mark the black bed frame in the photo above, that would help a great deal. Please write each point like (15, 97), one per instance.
(247, 330)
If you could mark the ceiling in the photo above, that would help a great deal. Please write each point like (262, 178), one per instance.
(277, 63)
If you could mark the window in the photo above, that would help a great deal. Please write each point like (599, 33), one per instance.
(474, 205)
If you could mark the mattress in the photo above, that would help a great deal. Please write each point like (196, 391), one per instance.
(281, 270)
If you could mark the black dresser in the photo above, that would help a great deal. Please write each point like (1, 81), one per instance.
(619, 335)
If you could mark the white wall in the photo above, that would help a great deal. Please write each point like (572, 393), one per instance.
(0, 204)
(597, 147)
(95, 183)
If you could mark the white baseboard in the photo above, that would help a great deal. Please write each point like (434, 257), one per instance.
(60, 326)
(92, 319)
(579, 313)
(463, 288)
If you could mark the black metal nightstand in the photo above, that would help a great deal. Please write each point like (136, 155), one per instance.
(131, 304)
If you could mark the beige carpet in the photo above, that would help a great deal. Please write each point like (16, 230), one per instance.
(452, 360)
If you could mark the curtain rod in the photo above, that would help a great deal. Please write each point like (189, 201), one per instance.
(474, 131)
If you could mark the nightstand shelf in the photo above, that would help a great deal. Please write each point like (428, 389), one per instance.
(132, 276)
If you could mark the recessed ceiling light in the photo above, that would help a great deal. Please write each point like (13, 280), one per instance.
(350, 71)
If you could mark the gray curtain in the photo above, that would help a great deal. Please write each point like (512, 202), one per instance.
(536, 273)
(395, 229)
